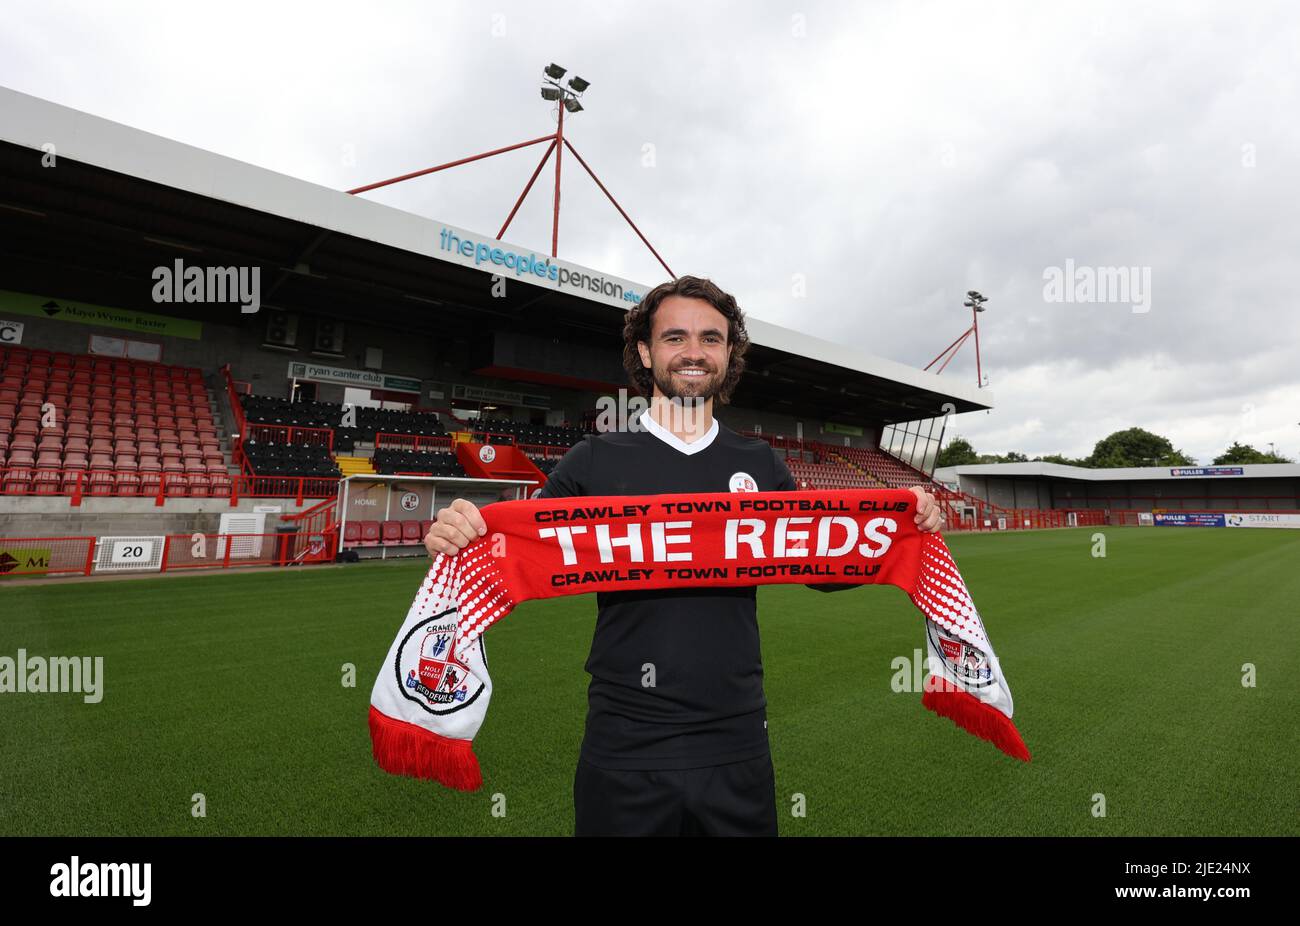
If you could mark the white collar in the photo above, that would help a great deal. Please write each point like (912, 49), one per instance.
(672, 440)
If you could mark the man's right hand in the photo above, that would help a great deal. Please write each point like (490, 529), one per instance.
(458, 525)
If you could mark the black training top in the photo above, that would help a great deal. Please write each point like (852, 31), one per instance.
(706, 706)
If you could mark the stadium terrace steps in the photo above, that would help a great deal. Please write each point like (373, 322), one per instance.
(836, 467)
(874, 481)
(354, 466)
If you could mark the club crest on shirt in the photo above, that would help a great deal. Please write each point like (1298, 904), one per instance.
(742, 482)
(427, 671)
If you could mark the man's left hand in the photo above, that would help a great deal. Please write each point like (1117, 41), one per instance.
(929, 517)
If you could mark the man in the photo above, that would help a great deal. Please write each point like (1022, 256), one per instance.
(676, 736)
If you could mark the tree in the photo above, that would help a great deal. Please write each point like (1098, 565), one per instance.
(1136, 447)
(1009, 457)
(1245, 453)
(959, 452)
(1061, 458)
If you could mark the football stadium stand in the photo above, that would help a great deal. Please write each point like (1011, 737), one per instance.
(381, 372)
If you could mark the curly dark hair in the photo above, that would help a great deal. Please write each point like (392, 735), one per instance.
(640, 320)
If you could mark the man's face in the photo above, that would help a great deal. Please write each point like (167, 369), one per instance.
(688, 353)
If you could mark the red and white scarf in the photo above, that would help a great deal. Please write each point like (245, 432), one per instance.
(433, 690)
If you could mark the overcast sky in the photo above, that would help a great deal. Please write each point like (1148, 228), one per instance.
(847, 169)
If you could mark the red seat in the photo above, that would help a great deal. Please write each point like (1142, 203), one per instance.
(46, 482)
(411, 532)
(369, 534)
(128, 484)
(392, 532)
(100, 483)
(351, 534)
(16, 481)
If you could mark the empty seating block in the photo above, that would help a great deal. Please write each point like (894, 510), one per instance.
(99, 422)
(430, 463)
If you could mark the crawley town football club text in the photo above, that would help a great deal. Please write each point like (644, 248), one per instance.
(827, 531)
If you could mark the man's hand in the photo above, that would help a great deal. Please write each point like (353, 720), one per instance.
(458, 525)
(929, 516)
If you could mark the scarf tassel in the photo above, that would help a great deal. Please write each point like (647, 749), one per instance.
(974, 716)
(403, 748)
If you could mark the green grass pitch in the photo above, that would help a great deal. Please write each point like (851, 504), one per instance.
(1126, 671)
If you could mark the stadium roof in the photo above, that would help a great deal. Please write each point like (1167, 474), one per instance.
(122, 201)
(1062, 471)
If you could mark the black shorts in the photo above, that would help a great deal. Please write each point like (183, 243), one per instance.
(736, 799)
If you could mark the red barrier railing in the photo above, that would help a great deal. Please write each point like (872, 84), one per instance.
(546, 450)
(957, 519)
(240, 423)
(386, 440)
(40, 556)
(485, 437)
(76, 485)
(222, 551)
(289, 435)
(299, 488)
(319, 520)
